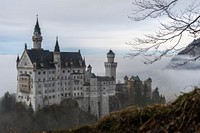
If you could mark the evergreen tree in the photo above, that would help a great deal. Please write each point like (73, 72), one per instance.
(7, 103)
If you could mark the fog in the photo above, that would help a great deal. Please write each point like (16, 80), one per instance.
(170, 82)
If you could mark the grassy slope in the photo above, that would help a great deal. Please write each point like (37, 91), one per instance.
(183, 115)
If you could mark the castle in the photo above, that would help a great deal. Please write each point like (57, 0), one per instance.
(47, 77)
(134, 91)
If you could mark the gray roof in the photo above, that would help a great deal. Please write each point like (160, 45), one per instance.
(111, 52)
(37, 28)
(105, 78)
(44, 58)
(57, 48)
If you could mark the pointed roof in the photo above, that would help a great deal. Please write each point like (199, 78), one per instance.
(57, 48)
(37, 27)
(111, 52)
(89, 66)
(17, 58)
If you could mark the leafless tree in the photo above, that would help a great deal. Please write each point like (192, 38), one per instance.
(180, 21)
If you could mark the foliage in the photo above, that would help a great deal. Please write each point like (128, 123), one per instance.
(18, 118)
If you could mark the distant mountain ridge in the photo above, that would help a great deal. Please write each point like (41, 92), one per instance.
(193, 49)
(188, 58)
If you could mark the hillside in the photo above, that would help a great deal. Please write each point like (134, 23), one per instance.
(188, 58)
(18, 118)
(179, 116)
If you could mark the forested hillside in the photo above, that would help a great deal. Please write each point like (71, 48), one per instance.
(16, 117)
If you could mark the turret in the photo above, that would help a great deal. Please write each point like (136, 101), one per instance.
(110, 65)
(56, 53)
(125, 79)
(37, 38)
(89, 69)
(110, 56)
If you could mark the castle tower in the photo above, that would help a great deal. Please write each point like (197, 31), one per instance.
(89, 69)
(148, 83)
(56, 53)
(110, 65)
(37, 38)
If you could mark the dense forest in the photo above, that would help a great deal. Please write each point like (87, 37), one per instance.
(16, 117)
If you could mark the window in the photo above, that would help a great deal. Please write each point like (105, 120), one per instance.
(63, 71)
(44, 72)
(39, 73)
(53, 96)
(28, 98)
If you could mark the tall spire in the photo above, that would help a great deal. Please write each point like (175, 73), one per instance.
(17, 58)
(37, 38)
(37, 27)
(57, 48)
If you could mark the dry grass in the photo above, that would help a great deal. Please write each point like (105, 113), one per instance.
(182, 116)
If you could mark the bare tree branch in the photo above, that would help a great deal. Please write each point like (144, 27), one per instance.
(180, 22)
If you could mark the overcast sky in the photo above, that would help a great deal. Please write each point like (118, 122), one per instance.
(79, 24)
(93, 26)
